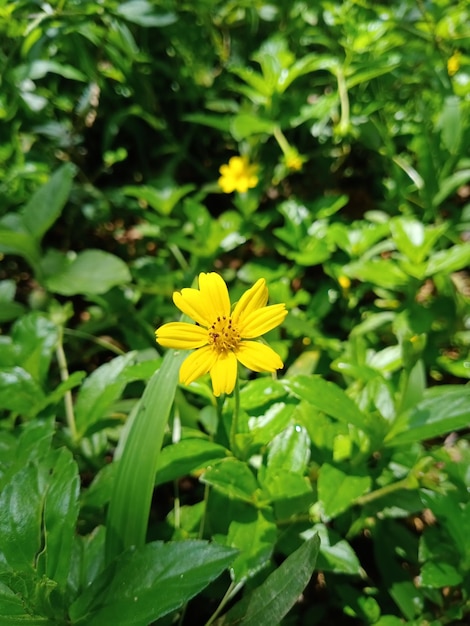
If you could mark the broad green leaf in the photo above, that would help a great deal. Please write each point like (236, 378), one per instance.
(274, 420)
(12, 610)
(443, 409)
(102, 387)
(20, 518)
(450, 185)
(187, 456)
(327, 397)
(91, 272)
(60, 515)
(246, 125)
(273, 599)
(143, 13)
(35, 338)
(133, 487)
(384, 273)
(20, 243)
(86, 560)
(336, 554)
(254, 534)
(289, 450)
(47, 203)
(450, 260)
(450, 124)
(19, 392)
(220, 122)
(163, 199)
(259, 392)
(9, 309)
(438, 574)
(453, 513)
(413, 239)
(146, 583)
(233, 478)
(337, 490)
(39, 68)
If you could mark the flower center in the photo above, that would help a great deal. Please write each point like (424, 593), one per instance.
(223, 336)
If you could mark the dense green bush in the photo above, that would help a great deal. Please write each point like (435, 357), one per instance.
(320, 146)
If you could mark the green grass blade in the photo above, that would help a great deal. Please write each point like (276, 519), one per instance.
(135, 478)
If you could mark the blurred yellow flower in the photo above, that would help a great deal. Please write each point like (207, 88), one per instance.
(238, 175)
(344, 281)
(453, 63)
(294, 161)
(221, 337)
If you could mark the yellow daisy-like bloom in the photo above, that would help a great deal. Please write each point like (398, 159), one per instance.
(238, 175)
(221, 337)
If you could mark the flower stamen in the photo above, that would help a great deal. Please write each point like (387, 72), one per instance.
(223, 336)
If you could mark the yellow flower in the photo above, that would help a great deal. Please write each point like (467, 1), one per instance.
(453, 63)
(293, 160)
(221, 337)
(238, 175)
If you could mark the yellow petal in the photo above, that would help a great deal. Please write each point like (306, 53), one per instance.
(181, 336)
(253, 299)
(258, 357)
(261, 321)
(197, 364)
(215, 295)
(191, 302)
(224, 373)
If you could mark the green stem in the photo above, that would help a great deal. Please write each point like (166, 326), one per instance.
(405, 483)
(236, 411)
(64, 375)
(231, 591)
(344, 100)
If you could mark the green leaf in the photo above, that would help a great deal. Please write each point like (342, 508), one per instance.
(90, 272)
(450, 124)
(133, 487)
(413, 239)
(162, 200)
(450, 185)
(384, 273)
(220, 122)
(19, 392)
(450, 260)
(254, 533)
(261, 391)
(444, 409)
(35, 339)
(20, 243)
(337, 490)
(327, 397)
(102, 387)
(60, 515)
(273, 599)
(146, 583)
(185, 457)
(20, 518)
(246, 125)
(143, 13)
(336, 554)
(9, 309)
(46, 204)
(290, 450)
(440, 575)
(233, 478)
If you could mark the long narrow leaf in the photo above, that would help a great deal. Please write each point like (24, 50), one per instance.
(132, 491)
